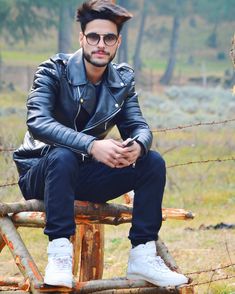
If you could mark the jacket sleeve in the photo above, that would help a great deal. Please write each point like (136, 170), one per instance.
(130, 119)
(41, 107)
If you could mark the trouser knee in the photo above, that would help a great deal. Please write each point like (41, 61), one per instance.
(157, 163)
(63, 160)
(154, 163)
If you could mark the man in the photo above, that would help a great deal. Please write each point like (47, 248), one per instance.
(74, 102)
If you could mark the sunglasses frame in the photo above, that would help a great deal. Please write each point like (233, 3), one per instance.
(98, 39)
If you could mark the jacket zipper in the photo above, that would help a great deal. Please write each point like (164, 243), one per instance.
(76, 116)
(75, 126)
(75, 150)
(105, 120)
(79, 108)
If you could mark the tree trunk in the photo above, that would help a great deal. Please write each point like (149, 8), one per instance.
(123, 49)
(167, 76)
(137, 59)
(232, 51)
(1, 64)
(65, 27)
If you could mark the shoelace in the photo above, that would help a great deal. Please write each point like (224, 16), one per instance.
(157, 262)
(63, 262)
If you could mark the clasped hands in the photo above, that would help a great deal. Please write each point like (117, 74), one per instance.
(114, 154)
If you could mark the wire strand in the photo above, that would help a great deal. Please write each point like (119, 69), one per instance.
(199, 124)
(201, 162)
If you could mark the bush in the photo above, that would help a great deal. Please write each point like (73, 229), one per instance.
(221, 56)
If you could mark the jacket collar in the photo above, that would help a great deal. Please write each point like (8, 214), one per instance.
(76, 72)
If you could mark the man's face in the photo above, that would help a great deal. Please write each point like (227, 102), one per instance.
(102, 53)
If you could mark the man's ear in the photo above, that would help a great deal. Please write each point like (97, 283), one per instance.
(81, 36)
(119, 40)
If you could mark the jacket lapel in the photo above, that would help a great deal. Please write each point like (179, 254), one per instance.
(112, 93)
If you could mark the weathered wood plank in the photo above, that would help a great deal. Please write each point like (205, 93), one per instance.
(21, 255)
(92, 258)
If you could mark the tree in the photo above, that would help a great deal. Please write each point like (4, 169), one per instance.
(123, 50)
(65, 25)
(139, 41)
(22, 19)
(167, 76)
(215, 12)
(67, 11)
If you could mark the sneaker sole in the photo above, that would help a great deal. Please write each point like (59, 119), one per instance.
(137, 277)
(60, 283)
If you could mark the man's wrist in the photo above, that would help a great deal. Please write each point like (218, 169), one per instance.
(141, 148)
(90, 147)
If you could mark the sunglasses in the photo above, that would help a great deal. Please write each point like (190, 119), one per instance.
(93, 39)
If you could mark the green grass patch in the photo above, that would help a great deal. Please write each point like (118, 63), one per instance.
(23, 58)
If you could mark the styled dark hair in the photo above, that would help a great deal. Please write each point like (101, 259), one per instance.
(102, 9)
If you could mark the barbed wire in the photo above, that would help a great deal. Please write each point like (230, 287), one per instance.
(4, 185)
(227, 277)
(7, 149)
(199, 124)
(180, 127)
(212, 279)
(8, 185)
(201, 162)
(210, 270)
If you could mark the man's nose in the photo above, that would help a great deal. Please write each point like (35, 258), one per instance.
(101, 42)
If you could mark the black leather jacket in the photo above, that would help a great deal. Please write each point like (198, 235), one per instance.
(59, 91)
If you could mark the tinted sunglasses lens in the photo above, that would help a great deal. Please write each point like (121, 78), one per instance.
(110, 39)
(92, 38)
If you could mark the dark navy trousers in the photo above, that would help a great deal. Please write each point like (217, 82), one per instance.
(60, 177)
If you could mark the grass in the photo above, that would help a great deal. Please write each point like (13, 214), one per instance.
(23, 58)
(206, 189)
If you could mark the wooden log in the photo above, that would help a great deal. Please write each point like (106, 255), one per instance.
(177, 214)
(88, 245)
(29, 205)
(138, 290)
(10, 281)
(169, 260)
(37, 219)
(10, 291)
(119, 212)
(86, 212)
(14, 282)
(29, 219)
(92, 258)
(163, 251)
(186, 290)
(77, 251)
(21, 255)
(121, 284)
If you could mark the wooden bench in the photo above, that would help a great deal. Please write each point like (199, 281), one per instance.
(88, 248)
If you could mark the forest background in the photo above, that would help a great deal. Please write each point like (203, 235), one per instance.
(180, 52)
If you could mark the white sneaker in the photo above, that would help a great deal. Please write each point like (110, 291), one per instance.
(59, 268)
(144, 264)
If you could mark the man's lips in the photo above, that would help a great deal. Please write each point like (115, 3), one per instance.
(102, 53)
